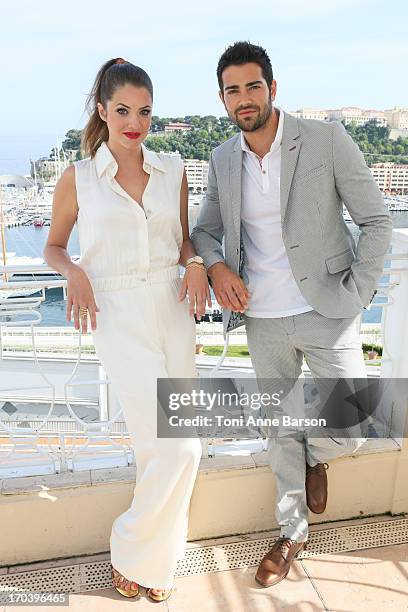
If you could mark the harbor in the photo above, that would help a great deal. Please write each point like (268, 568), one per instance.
(35, 208)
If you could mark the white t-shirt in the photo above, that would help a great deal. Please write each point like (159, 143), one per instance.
(266, 272)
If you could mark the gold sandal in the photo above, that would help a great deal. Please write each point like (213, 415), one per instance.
(117, 576)
(162, 597)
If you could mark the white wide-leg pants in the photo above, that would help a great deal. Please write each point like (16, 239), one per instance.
(144, 333)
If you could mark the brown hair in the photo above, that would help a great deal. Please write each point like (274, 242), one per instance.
(243, 52)
(113, 74)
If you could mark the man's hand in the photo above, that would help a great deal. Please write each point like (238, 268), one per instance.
(228, 287)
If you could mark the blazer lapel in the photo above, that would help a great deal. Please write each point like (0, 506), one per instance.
(290, 148)
(235, 184)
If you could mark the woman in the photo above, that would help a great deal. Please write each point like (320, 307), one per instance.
(131, 207)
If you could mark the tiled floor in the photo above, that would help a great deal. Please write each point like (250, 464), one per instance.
(368, 580)
(375, 579)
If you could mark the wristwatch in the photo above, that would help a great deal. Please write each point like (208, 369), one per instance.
(195, 259)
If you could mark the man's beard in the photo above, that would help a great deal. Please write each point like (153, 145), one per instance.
(259, 122)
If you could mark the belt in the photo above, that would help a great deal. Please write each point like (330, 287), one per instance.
(136, 279)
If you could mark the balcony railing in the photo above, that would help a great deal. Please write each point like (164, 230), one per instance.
(44, 440)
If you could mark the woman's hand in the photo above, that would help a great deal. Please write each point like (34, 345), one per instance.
(80, 295)
(195, 285)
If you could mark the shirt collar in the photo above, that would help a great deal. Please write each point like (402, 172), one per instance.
(104, 159)
(278, 137)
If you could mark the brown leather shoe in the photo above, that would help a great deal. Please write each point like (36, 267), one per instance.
(316, 487)
(275, 565)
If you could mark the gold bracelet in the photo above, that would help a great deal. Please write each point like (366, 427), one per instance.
(197, 265)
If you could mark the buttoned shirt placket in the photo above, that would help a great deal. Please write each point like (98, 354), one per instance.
(139, 210)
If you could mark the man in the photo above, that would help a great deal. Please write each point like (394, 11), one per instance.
(290, 270)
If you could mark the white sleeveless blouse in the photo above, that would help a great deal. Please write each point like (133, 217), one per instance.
(117, 238)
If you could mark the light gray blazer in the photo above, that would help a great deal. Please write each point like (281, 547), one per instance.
(321, 168)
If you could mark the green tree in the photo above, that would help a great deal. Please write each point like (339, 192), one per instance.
(209, 132)
(72, 139)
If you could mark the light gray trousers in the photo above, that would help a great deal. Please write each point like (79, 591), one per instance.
(332, 349)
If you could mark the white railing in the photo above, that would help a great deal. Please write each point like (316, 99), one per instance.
(47, 445)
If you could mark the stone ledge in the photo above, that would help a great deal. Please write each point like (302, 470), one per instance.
(232, 495)
(219, 463)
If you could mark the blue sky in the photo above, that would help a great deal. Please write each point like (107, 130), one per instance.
(325, 54)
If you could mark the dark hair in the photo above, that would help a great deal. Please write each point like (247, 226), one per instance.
(113, 74)
(243, 52)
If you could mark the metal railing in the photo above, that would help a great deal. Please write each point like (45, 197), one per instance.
(31, 447)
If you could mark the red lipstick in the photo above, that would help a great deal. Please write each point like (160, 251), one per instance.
(132, 135)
